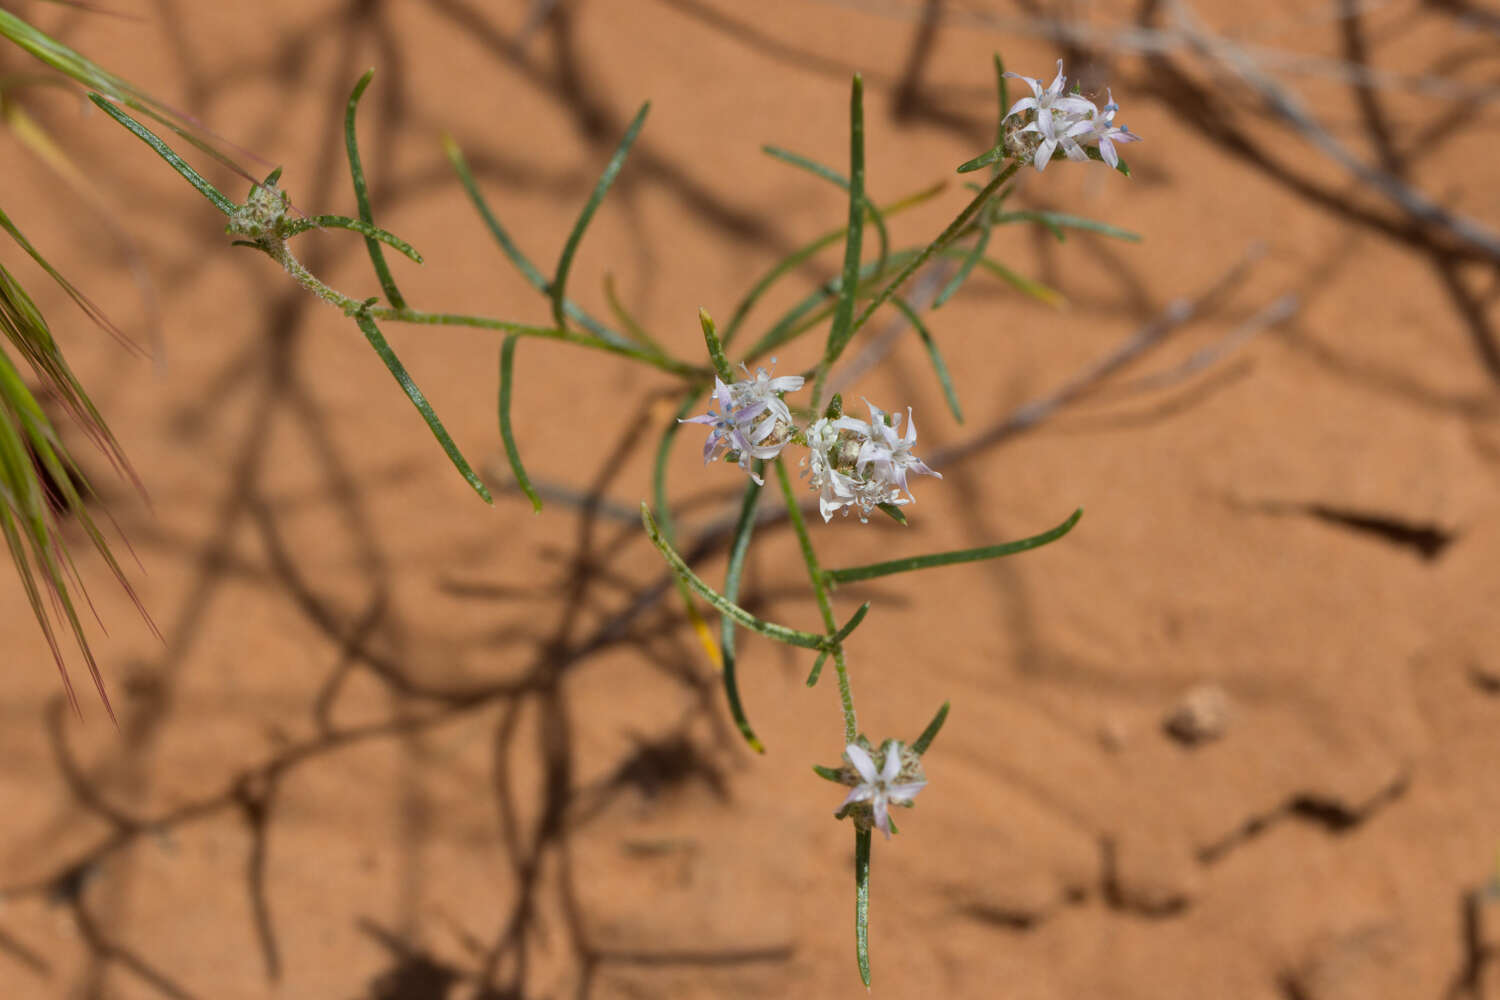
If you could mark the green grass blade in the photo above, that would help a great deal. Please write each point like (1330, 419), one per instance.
(362, 197)
(919, 747)
(743, 529)
(507, 432)
(28, 524)
(372, 234)
(377, 340)
(874, 570)
(790, 636)
(862, 903)
(24, 326)
(90, 310)
(59, 56)
(833, 176)
(513, 253)
(964, 268)
(934, 355)
(176, 162)
(559, 285)
(843, 316)
(1057, 221)
(82, 70)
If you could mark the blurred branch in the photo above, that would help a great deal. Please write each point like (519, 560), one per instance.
(1140, 40)
(1177, 313)
(1220, 53)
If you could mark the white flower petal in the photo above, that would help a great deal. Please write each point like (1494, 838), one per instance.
(882, 816)
(859, 757)
(1044, 153)
(905, 791)
(1036, 85)
(1023, 104)
(892, 763)
(1056, 86)
(862, 793)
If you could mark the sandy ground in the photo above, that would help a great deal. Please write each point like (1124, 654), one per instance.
(395, 744)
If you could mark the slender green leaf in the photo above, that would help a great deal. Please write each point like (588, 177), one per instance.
(611, 169)
(1026, 286)
(633, 328)
(955, 229)
(507, 245)
(1004, 93)
(372, 234)
(975, 254)
(828, 774)
(842, 330)
(806, 314)
(715, 348)
(993, 155)
(743, 529)
(507, 432)
(934, 355)
(620, 346)
(801, 254)
(362, 197)
(176, 162)
(833, 176)
(919, 747)
(795, 321)
(1057, 221)
(377, 340)
(663, 453)
(790, 636)
(817, 669)
(862, 903)
(513, 253)
(825, 605)
(852, 624)
(874, 570)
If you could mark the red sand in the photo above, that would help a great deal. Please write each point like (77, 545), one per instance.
(378, 758)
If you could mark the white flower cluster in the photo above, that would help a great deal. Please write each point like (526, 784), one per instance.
(896, 782)
(1069, 122)
(854, 465)
(851, 464)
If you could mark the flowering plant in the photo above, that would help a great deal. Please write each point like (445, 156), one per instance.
(849, 464)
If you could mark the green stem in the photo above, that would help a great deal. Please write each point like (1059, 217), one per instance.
(862, 903)
(283, 255)
(825, 606)
(947, 236)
